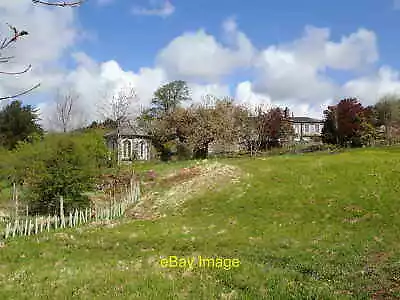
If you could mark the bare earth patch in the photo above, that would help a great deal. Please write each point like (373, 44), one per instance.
(183, 185)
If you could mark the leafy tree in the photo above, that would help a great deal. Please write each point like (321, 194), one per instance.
(349, 118)
(59, 165)
(218, 123)
(169, 96)
(247, 131)
(273, 126)
(330, 131)
(388, 114)
(349, 123)
(163, 121)
(18, 123)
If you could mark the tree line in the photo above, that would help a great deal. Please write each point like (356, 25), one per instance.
(349, 123)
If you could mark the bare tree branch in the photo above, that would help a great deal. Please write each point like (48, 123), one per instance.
(66, 113)
(5, 59)
(21, 93)
(64, 105)
(59, 3)
(16, 34)
(118, 108)
(17, 73)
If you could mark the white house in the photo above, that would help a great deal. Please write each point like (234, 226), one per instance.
(133, 144)
(306, 128)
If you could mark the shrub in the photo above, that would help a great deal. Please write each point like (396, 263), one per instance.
(60, 165)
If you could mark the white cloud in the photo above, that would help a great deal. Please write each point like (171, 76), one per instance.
(352, 52)
(97, 82)
(283, 76)
(245, 95)
(51, 33)
(370, 88)
(200, 92)
(165, 9)
(295, 73)
(199, 56)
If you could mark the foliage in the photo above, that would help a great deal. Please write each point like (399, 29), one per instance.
(163, 119)
(59, 165)
(388, 114)
(273, 125)
(18, 122)
(349, 118)
(169, 96)
(349, 123)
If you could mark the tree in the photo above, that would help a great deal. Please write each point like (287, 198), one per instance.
(247, 128)
(18, 123)
(15, 35)
(67, 114)
(164, 120)
(217, 123)
(273, 127)
(118, 109)
(58, 165)
(349, 123)
(388, 114)
(329, 130)
(170, 96)
(349, 118)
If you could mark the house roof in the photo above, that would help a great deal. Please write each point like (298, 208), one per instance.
(305, 120)
(127, 131)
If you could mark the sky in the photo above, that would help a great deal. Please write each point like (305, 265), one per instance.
(302, 54)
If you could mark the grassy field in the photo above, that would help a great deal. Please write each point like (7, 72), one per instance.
(314, 226)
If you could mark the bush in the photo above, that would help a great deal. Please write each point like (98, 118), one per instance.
(60, 165)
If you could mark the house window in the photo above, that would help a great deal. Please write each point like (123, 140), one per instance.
(307, 128)
(126, 149)
(317, 128)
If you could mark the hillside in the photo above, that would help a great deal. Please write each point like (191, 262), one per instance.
(317, 225)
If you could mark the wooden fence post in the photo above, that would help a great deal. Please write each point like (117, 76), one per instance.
(36, 225)
(30, 227)
(131, 189)
(26, 227)
(41, 225)
(62, 211)
(15, 198)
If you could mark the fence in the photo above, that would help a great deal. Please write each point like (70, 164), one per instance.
(26, 226)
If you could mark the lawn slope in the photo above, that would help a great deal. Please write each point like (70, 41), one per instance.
(314, 226)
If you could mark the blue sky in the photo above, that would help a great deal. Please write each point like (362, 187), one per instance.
(135, 40)
(304, 54)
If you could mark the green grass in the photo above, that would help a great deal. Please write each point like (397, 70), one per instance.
(314, 226)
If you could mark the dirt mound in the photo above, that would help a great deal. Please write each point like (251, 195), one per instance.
(183, 185)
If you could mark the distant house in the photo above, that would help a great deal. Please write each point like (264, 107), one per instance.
(132, 144)
(306, 128)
